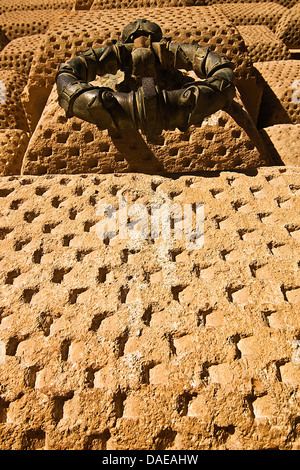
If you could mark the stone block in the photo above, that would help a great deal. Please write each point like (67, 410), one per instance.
(107, 4)
(262, 44)
(59, 145)
(288, 27)
(12, 113)
(254, 13)
(13, 144)
(96, 354)
(31, 5)
(15, 24)
(77, 31)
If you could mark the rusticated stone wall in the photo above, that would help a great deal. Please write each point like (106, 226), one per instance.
(34, 44)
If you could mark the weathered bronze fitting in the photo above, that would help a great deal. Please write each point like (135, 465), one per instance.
(154, 95)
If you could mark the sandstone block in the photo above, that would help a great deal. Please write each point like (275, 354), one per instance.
(59, 145)
(280, 102)
(262, 44)
(3, 39)
(18, 54)
(251, 13)
(12, 148)
(282, 141)
(127, 341)
(16, 24)
(12, 113)
(109, 358)
(290, 374)
(107, 4)
(288, 26)
(31, 5)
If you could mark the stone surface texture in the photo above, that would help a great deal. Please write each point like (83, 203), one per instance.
(145, 340)
(143, 343)
(80, 30)
(31, 5)
(280, 99)
(12, 112)
(19, 53)
(17, 24)
(13, 144)
(262, 44)
(282, 141)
